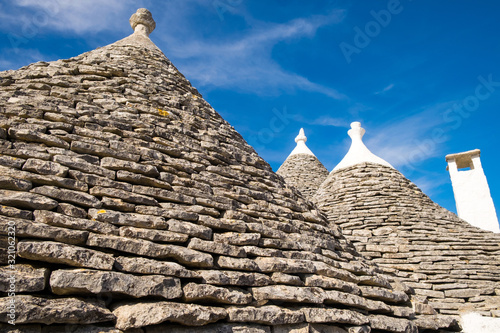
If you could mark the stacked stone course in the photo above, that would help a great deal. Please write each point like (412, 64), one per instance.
(305, 172)
(139, 209)
(450, 264)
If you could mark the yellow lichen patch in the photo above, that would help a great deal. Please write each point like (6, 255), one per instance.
(163, 112)
(102, 211)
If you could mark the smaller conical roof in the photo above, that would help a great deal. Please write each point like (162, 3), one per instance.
(302, 168)
(358, 152)
(301, 147)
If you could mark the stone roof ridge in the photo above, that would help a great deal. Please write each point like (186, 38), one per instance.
(358, 152)
(301, 147)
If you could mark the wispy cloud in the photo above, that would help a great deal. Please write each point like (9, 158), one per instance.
(329, 121)
(431, 184)
(408, 142)
(386, 89)
(73, 16)
(245, 63)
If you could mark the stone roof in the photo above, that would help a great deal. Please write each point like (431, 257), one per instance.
(451, 265)
(302, 169)
(304, 172)
(137, 208)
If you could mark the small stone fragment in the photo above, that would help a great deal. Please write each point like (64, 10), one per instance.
(218, 248)
(330, 315)
(154, 235)
(45, 167)
(64, 254)
(79, 198)
(135, 315)
(116, 164)
(26, 200)
(269, 315)
(234, 278)
(30, 309)
(236, 238)
(11, 183)
(86, 281)
(27, 278)
(60, 220)
(70, 210)
(150, 249)
(128, 219)
(191, 229)
(150, 266)
(289, 294)
(205, 292)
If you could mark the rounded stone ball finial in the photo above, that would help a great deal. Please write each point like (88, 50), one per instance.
(142, 21)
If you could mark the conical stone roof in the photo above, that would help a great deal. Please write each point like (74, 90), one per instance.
(137, 208)
(302, 169)
(451, 265)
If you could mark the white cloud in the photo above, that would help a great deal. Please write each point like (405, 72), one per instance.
(80, 16)
(245, 62)
(410, 141)
(329, 121)
(242, 62)
(387, 88)
(431, 184)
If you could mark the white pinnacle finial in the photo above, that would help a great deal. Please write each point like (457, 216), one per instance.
(301, 145)
(358, 153)
(142, 22)
(301, 136)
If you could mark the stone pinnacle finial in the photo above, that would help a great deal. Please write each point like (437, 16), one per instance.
(301, 145)
(358, 153)
(142, 22)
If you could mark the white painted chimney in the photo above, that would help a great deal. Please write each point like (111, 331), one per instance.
(470, 187)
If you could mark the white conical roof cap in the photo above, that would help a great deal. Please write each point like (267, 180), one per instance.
(358, 152)
(301, 147)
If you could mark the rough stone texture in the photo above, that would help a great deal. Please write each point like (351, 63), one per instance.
(30, 309)
(30, 229)
(270, 315)
(211, 328)
(149, 266)
(84, 281)
(114, 163)
(27, 279)
(26, 200)
(233, 278)
(61, 220)
(304, 172)
(204, 292)
(151, 313)
(451, 265)
(64, 254)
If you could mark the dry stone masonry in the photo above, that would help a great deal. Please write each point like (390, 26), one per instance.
(451, 265)
(137, 208)
(302, 169)
(305, 172)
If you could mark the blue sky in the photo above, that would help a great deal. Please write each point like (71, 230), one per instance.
(422, 76)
